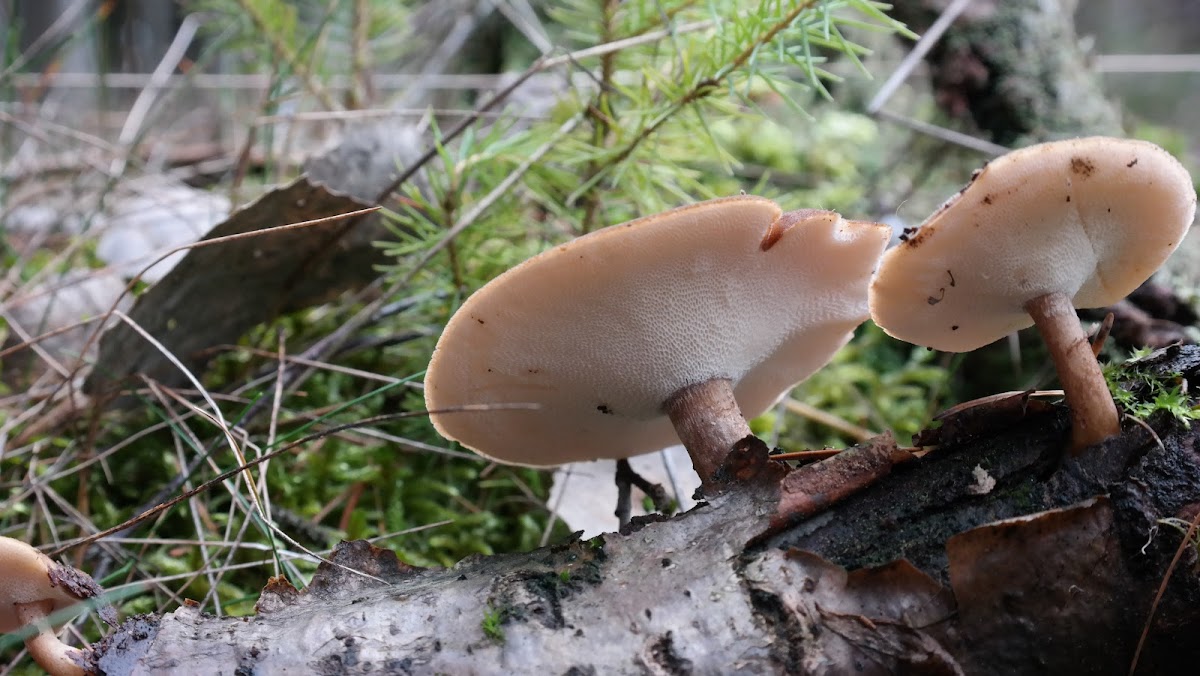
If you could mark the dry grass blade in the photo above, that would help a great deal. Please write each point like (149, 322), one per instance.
(215, 417)
(944, 134)
(288, 57)
(68, 407)
(905, 69)
(828, 419)
(175, 53)
(911, 60)
(254, 488)
(334, 340)
(254, 280)
(807, 455)
(158, 509)
(1148, 63)
(61, 27)
(1188, 541)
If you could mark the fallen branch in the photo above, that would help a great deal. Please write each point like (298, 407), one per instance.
(989, 554)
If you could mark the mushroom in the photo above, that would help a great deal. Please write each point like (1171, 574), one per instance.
(1034, 235)
(663, 329)
(32, 588)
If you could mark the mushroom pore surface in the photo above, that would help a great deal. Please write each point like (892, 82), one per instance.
(599, 332)
(1092, 218)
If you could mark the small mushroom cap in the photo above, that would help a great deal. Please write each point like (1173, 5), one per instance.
(26, 577)
(599, 332)
(1092, 218)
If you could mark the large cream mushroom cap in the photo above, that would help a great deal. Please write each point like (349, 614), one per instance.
(599, 332)
(1092, 218)
(25, 577)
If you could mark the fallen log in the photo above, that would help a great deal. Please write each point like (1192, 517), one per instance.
(993, 553)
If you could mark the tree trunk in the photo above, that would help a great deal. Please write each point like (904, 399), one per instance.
(995, 553)
(1016, 68)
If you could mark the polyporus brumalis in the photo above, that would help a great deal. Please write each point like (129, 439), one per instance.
(663, 329)
(1037, 233)
(33, 587)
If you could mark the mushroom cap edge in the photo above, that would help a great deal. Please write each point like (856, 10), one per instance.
(26, 579)
(949, 289)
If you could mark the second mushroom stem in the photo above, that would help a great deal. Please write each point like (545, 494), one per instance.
(709, 422)
(1093, 413)
(51, 654)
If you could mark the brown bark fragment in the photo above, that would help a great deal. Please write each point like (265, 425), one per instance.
(1062, 575)
(812, 488)
(981, 418)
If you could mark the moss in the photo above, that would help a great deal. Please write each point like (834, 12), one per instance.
(492, 624)
(1143, 391)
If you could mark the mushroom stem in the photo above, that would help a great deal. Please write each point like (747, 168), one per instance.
(709, 422)
(56, 657)
(1093, 413)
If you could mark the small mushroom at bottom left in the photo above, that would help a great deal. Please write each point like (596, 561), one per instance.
(32, 588)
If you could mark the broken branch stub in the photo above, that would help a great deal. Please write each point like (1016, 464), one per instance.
(217, 293)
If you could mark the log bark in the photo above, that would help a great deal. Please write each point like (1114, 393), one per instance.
(994, 553)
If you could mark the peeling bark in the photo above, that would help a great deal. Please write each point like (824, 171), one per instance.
(992, 554)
